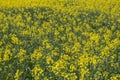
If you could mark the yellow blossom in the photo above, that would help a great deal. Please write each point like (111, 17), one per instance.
(37, 72)
(36, 55)
(14, 39)
(7, 55)
(17, 74)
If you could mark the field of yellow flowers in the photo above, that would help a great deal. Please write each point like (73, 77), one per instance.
(59, 40)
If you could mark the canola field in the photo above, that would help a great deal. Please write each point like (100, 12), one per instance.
(59, 39)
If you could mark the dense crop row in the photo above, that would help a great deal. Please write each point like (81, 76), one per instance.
(66, 41)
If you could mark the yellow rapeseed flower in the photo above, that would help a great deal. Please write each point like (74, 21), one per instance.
(17, 74)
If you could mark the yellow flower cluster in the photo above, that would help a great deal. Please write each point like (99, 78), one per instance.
(17, 74)
(59, 39)
(37, 72)
(36, 55)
